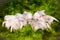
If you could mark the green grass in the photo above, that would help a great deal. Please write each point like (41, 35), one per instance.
(51, 7)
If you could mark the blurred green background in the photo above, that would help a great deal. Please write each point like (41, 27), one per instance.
(11, 7)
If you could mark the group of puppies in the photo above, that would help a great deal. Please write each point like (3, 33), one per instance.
(38, 21)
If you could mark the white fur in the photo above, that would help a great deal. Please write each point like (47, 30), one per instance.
(14, 22)
(38, 21)
(27, 15)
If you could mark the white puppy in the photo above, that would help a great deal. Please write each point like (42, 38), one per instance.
(11, 22)
(27, 15)
(21, 19)
(43, 20)
(38, 21)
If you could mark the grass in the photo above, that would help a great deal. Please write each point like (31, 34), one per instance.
(51, 7)
(26, 34)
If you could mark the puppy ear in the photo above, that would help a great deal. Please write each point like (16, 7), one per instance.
(3, 24)
(54, 19)
(48, 26)
(39, 13)
(36, 15)
(42, 12)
